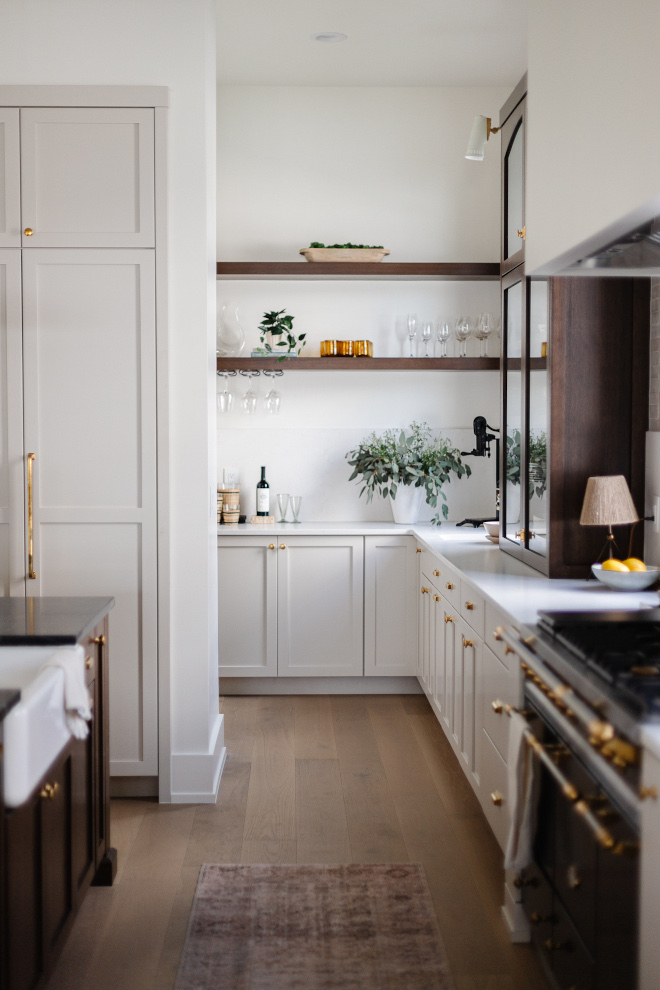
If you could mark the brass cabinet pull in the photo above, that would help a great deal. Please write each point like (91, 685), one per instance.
(436, 598)
(99, 641)
(271, 546)
(497, 706)
(282, 546)
(496, 798)
(30, 466)
(648, 792)
(436, 573)
(522, 233)
(28, 232)
(520, 535)
(89, 663)
(497, 633)
(418, 550)
(469, 606)
(425, 591)
(449, 586)
(467, 642)
(448, 618)
(49, 791)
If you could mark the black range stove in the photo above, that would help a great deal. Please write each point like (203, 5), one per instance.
(620, 651)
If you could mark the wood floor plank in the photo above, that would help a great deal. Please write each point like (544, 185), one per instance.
(175, 935)
(320, 817)
(269, 851)
(354, 733)
(217, 832)
(82, 944)
(271, 802)
(240, 719)
(314, 730)
(126, 817)
(160, 846)
(373, 827)
(455, 792)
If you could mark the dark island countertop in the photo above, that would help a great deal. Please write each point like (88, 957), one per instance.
(49, 621)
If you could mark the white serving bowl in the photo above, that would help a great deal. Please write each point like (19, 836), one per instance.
(493, 530)
(626, 580)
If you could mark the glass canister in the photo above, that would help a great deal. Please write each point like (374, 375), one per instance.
(345, 348)
(363, 348)
(328, 348)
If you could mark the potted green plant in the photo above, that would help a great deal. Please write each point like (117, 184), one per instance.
(405, 467)
(275, 331)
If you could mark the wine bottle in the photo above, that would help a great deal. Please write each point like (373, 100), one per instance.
(263, 495)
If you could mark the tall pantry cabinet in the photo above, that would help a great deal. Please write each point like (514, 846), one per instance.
(78, 411)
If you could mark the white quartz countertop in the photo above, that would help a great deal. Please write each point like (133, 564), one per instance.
(507, 583)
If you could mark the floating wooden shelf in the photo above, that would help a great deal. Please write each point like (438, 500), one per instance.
(359, 364)
(448, 271)
(535, 364)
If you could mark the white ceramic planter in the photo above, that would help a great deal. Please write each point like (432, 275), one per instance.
(407, 504)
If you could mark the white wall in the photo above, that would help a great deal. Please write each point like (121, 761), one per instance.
(593, 140)
(167, 43)
(370, 165)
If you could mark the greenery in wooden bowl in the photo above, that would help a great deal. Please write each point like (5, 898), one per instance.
(368, 247)
(413, 457)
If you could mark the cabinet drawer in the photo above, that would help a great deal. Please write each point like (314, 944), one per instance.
(498, 690)
(494, 788)
(432, 572)
(449, 585)
(495, 618)
(472, 608)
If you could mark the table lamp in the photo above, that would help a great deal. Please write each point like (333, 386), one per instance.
(608, 502)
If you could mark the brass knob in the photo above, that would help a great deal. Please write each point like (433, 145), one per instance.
(448, 618)
(436, 573)
(497, 633)
(418, 550)
(48, 791)
(520, 535)
(28, 232)
(449, 586)
(271, 546)
(496, 798)
(99, 641)
(436, 598)
(89, 663)
(522, 234)
(469, 606)
(467, 642)
(497, 706)
(282, 546)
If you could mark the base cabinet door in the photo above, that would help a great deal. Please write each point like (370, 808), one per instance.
(320, 606)
(390, 606)
(247, 606)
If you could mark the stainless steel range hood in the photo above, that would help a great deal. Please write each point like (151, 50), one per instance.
(636, 254)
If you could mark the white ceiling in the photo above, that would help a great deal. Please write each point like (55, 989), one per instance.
(390, 42)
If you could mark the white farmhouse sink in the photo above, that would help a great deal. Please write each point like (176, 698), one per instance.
(35, 730)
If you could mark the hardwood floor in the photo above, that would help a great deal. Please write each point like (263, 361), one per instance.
(314, 780)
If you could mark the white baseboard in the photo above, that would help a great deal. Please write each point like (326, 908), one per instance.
(319, 685)
(196, 776)
(515, 919)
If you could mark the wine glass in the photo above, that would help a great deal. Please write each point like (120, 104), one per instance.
(427, 334)
(443, 333)
(225, 399)
(412, 330)
(249, 402)
(272, 402)
(484, 328)
(462, 330)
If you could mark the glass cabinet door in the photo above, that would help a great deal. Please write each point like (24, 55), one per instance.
(512, 436)
(537, 417)
(513, 188)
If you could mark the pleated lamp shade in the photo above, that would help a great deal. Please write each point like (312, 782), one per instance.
(608, 502)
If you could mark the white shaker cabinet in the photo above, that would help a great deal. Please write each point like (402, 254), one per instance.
(247, 606)
(10, 178)
(12, 538)
(320, 606)
(390, 606)
(87, 177)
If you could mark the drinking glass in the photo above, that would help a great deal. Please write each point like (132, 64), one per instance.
(296, 502)
(427, 334)
(225, 399)
(443, 333)
(272, 402)
(412, 330)
(230, 339)
(462, 330)
(484, 328)
(249, 402)
(283, 505)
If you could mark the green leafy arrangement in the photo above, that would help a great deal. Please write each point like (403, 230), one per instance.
(412, 457)
(317, 244)
(538, 461)
(277, 324)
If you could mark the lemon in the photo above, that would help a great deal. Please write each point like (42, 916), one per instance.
(614, 565)
(634, 564)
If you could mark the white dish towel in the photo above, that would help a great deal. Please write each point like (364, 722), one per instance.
(519, 847)
(71, 661)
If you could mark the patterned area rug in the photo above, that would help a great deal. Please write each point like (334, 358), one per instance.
(357, 927)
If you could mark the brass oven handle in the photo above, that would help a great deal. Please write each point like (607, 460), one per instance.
(30, 464)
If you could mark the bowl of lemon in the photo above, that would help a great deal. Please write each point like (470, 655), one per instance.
(626, 575)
